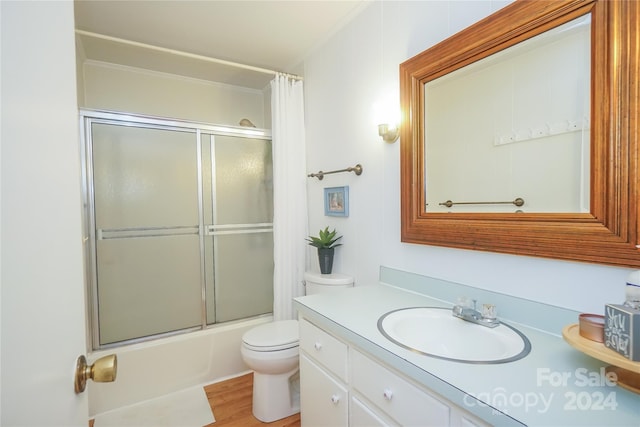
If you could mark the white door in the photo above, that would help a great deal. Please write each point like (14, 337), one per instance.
(42, 297)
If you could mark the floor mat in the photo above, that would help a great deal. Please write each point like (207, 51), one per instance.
(187, 408)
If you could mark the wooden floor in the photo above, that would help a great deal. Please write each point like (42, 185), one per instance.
(231, 404)
(230, 401)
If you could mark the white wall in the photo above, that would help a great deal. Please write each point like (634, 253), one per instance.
(80, 59)
(133, 90)
(343, 79)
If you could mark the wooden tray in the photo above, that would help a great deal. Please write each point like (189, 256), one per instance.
(571, 334)
(626, 379)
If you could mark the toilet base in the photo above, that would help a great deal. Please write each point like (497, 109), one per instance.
(276, 396)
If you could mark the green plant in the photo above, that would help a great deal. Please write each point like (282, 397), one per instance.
(326, 239)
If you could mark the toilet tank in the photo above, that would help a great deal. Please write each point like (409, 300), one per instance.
(316, 283)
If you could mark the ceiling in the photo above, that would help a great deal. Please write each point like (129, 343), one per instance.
(267, 34)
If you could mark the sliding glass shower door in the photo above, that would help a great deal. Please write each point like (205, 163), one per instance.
(180, 224)
(146, 217)
(239, 237)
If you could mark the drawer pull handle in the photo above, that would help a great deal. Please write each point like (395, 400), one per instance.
(318, 346)
(335, 399)
(388, 394)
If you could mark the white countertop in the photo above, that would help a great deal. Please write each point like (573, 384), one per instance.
(555, 385)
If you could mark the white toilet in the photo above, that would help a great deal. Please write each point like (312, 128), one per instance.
(271, 350)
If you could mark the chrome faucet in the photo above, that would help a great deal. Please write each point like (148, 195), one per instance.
(486, 318)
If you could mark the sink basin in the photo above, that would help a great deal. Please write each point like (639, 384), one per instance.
(435, 332)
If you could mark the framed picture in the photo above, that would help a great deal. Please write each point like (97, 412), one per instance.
(336, 201)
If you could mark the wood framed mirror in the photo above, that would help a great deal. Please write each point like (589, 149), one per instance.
(608, 233)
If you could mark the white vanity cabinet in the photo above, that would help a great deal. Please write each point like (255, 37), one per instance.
(342, 386)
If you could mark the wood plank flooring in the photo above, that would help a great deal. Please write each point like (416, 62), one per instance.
(231, 404)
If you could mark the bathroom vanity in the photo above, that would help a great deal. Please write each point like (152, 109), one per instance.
(352, 375)
(342, 386)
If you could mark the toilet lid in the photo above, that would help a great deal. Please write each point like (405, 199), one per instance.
(272, 336)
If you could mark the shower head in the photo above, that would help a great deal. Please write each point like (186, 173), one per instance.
(247, 123)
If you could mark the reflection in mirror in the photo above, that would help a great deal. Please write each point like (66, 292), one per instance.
(513, 126)
(601, 221)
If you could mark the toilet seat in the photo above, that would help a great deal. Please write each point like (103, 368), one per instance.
(273, 336)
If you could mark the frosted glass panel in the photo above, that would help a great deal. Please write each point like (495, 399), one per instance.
(244, 276)
(144, 177)
(243, 181)
(242, 284)
(148, 286)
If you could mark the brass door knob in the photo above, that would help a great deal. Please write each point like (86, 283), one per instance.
(103, 370)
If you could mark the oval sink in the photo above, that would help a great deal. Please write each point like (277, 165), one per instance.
(435, 332)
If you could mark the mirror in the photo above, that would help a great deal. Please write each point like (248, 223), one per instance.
(510, 132)
(607, 231)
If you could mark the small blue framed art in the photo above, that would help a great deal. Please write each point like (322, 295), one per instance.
(336, 201)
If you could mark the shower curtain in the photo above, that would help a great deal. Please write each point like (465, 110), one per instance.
(289, 193)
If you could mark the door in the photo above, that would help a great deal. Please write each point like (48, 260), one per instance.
(145, 194)
(42, 297)
(179, 220)
(239, 218)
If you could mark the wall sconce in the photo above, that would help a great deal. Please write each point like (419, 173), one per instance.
(387, 117)
(388, 133)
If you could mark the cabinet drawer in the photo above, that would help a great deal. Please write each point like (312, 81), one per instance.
(401, 400)
(324, 348)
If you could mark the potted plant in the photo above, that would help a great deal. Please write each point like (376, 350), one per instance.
(326, 243)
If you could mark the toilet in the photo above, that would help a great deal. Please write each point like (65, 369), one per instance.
(271, 351)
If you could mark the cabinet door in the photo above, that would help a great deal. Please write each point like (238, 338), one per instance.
(362, 416)
(461, 418)
(466, 422)
(324, 401)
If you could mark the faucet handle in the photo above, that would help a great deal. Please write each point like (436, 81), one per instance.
(489, 311)
(465, 302)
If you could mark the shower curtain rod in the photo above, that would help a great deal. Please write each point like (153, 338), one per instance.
(186, 54)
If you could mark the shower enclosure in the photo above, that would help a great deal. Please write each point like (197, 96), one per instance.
(179, 225)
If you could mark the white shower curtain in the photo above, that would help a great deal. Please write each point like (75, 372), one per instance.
(289, 193)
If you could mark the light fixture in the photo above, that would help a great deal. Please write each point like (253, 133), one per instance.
(388, 133)
(386, 115)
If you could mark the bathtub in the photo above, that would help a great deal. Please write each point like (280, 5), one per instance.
(156, 368)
